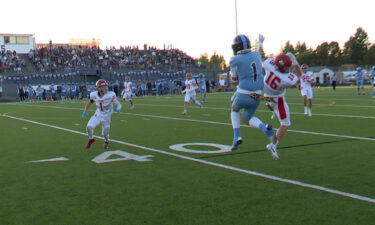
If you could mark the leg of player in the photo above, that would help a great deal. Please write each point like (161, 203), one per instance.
(309, 111)
(255, 122)
(186, 106)
(105, 132)
(196, 101)
(237, 139)
(186, 103)
(93, 122)
(235, 118)
(271, 108)
(281, 132)
(305, 100)
(131, 104)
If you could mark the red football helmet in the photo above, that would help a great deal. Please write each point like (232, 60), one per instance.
(101, 85)
(304, 67)
(283, 63)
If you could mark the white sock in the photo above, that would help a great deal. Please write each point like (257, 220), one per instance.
(254, 122)
(235, 117)
(105, 132)
(305, 109)
(90, 132)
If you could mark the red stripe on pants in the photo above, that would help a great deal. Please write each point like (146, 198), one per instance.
(281, 107)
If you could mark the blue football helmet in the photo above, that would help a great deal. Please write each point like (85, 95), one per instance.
(240, 42)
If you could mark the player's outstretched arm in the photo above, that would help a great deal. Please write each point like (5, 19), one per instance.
(118, 105)
(87, 107)
(295, 64)
(261, 39)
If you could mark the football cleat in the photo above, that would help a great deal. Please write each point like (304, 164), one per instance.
(132, 107)
(236, 143)
(183, 113)
(273, 149)
(89, 143)
(106, 145)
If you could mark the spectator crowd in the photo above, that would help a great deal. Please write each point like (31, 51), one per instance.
(10, 62)
(57, 58)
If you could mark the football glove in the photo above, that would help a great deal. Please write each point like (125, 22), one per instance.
(117, 110)
(261, 40)
(84, 114)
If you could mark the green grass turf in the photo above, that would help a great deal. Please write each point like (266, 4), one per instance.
(170, 190)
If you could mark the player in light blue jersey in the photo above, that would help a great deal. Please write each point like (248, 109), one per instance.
(202, 87)
(360, 81)
(246, 73)
(373, 81)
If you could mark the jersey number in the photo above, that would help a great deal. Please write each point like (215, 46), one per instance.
(101, 106)
(255, 71)
(273, 81)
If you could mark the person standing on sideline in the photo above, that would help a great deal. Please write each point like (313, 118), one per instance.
(246, 73)
(202, 87)
(360, 81)
(222, 84)
(373, 81)
(306, 90)
(333, 81)
(103, 99)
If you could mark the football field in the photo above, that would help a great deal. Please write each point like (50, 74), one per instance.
(171, 169)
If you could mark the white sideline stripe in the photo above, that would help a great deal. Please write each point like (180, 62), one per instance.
(298, 183)
(211, 122)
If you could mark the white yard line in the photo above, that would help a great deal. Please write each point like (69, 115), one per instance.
(210, 122)
(266, 176)
(296, 113)
(290, 103)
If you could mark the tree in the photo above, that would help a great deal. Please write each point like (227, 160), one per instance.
(217, 62)
(203, 60)
(300, 48)
(288, 47)
(322, 52)
(356, 47)
(369, 58)
(334, 54)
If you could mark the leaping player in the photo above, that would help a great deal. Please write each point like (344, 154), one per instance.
(127, 93)
(278, 78)
(104, 100)
(246, 73)
(190, 94)
(306, 91)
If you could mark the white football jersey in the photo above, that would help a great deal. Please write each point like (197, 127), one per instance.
(104, 103)
(306, 79)
(275, 82)
(128, 86)
(190, 85)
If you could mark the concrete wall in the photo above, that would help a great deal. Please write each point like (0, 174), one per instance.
(19, 48)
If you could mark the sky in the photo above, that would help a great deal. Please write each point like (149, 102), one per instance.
(194, 26)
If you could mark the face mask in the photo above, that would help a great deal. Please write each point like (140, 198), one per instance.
(103, 89)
